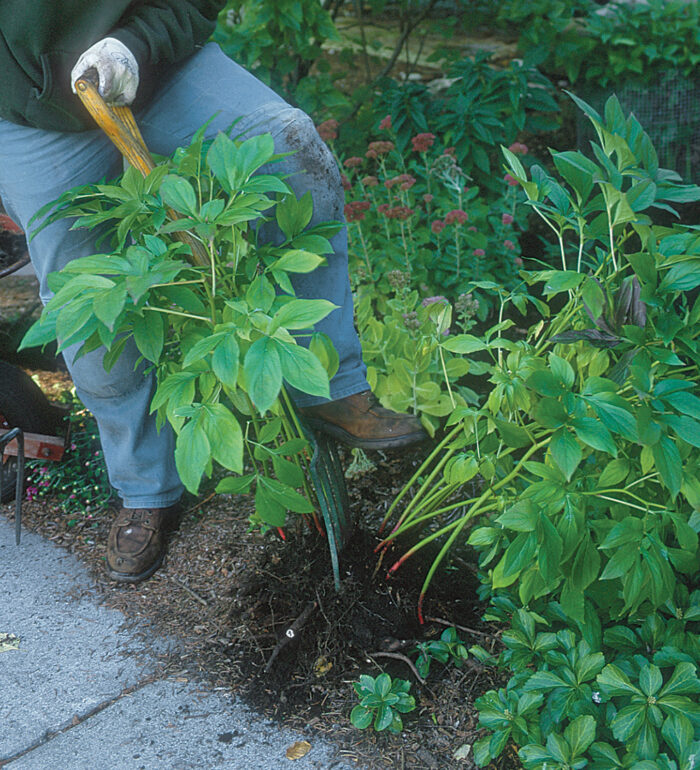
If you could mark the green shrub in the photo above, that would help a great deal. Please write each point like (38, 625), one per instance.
(588, 509)
(607, 45)
(482, 108)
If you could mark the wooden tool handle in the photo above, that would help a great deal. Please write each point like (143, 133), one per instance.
(119, 125)
(117, 122)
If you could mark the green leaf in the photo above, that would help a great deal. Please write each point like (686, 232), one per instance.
(235, 485)
(149, 335)
(687, 403)
(201, 348)
(225, 359)
(580, 734)
(683, 681)
(513, 435)
(109, 304)
(322, 347)
(192, 453)
(650, 679)
(302, 313)
(253, 154)
(628, 721)
(615, 682)
(562, 370)
(677, 731)
(668, 463)
(613, 473)
(302, 370)
(225, 436)
(544, 680)
(221, 159)
(463, 344)
(561, 280)
(297, 261)
(550, 552)
(595, 434)
(293, 215)
(40, 332)
(521, 517)
(685, 428)
(382, 685)
(384, 718)
(285, 496)
(566, 452)
(613, 412)
(267, 507)
(263, 372)
(577, 170)
(179, 194)
(545, 383)
(361, 717)
(481, 749)
(260, 294)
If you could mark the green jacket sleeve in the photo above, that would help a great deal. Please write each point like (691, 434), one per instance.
(163, 32)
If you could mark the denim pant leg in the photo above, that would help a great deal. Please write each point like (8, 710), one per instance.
(210, 84)
(35, 168)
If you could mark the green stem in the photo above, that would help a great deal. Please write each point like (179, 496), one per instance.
(425, 464)
(177, 312)
(365, 252)
(447, 379)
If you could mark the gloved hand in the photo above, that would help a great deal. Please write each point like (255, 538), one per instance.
(116, 66)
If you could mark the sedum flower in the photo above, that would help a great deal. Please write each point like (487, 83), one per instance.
(328, 130)
(423, 142)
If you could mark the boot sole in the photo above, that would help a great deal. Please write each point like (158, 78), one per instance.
(354, 442)
(126, 577)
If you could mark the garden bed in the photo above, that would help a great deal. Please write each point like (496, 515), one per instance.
(228, 597)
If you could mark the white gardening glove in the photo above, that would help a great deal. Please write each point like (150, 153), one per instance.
(116, 66)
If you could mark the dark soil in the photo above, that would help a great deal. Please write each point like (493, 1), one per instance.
(229, 596)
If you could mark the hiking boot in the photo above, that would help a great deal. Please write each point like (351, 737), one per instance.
(136, 543)
(360, 421)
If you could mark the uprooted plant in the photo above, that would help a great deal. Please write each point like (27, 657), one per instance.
(222, 337)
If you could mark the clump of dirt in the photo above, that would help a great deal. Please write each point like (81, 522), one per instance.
(231, 598)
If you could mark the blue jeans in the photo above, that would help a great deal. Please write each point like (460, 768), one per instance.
(36, 166)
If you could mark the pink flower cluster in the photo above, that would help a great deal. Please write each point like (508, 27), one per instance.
(456, 215)
(355, 210)
(375, 149)
(395, 212)
(353, 162)
(423, 142)
(518, 148)
(369, 181)
(385, 123)
(405, 182)
(328, 130)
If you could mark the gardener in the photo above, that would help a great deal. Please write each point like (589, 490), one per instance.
(150, 54)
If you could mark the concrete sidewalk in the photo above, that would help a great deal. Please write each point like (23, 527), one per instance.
(82, 693)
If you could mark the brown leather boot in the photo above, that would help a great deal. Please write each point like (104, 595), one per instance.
(359, 421)
(136, 543)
